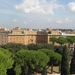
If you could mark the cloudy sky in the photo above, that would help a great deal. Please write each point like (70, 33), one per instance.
(37, 14)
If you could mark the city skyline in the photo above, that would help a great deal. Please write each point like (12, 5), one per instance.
(37, 14)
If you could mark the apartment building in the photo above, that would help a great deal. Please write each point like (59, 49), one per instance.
(3, 38)
(41, 37)
(16, 38)
(3, 35)
(3, 29)
(29, 36)
(22, 36)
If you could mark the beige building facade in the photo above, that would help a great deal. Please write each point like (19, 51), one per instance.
(3, 38)
(22, 36)
(30, 36)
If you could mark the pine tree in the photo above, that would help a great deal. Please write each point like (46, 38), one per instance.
(72, 65)
(65, 62)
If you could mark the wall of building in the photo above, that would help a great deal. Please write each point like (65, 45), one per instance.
(29, 36)
(16, 39)
(23, 39)
(3, 38)
(41, 39)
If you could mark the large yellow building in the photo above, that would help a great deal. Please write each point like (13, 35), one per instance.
(29, 36)
(22, 36)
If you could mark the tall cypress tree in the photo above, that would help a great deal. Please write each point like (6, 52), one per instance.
(72, 65)
(65, 61)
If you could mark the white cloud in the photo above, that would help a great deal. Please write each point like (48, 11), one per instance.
(59, 21)
(68, 20)
(71, 6)
(38, 6)
(48, 20)
(14, 20)
(25, 22)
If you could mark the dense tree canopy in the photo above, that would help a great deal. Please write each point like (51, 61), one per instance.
(53, 39)
(53, 57)
(35, 60)
(33, 57)
(39, 46)
(58, 49)
(61, 40)
(34, 46)
(72, 65)
(70, 39)
(6, 61)
(14, 47)
(65, 62)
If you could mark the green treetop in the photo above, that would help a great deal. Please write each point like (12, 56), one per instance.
(26, 60)
(6, 61)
